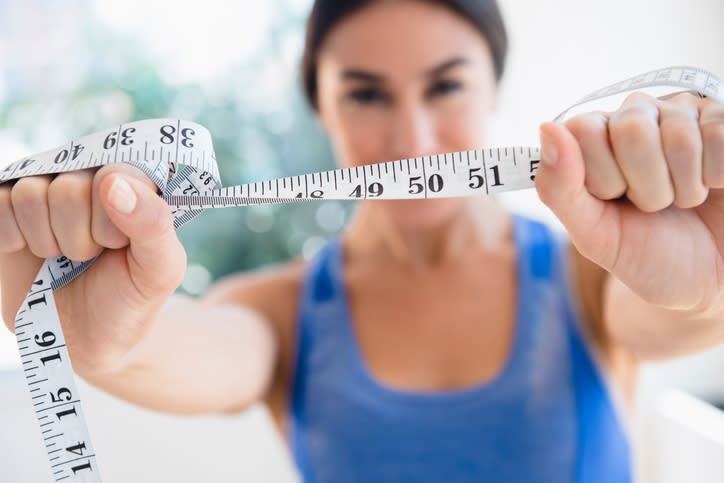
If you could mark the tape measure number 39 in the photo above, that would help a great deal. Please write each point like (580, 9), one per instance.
(158, 147)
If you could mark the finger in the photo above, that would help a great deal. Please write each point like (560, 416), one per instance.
(29, 198)
(636, 142)
(604, 179)
(681, 140)
(145, 218)
(104, 232)
(711, 122)
(11, 239)
(69, 199)
(17, 272)
(590, 222)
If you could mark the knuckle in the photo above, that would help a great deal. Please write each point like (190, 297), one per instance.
(714, 175)
(69, 202)
(639, 97)
(11, 245)
(681, 142)
(711, 107)
(651, 202)
(84, 256)
(31, 191)
(29, 199)
(585, 125)
(81, 252)
(45, 249)
(72, 188)
(691, 198)
(678, 116)
(11, 240)
(602, 190)
(713, 138)
(648, 206)
(683, 101)
(631, 126)
(712, 133)
(652, 206)
(4, 196)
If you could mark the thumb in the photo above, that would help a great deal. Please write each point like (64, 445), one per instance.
(560, 182)
(156, 258)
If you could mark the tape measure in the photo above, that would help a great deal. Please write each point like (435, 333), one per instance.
(159, 146)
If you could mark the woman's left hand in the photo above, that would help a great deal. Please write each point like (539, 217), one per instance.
(641, 193)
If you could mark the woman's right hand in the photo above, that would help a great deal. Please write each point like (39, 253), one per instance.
(108, 309)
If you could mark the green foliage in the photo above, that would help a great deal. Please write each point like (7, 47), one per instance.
(261, 130)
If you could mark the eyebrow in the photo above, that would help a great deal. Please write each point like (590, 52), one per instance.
(374, 77)
(435, 71)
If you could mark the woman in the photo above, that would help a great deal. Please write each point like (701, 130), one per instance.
(436, 340)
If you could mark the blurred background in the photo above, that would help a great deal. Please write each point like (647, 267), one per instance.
(73, 67)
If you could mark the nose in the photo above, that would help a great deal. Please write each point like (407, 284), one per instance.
(412, 132)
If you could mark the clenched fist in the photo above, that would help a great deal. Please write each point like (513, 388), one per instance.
(641, 193)
(108, 309)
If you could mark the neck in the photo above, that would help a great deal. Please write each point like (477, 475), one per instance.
(476, 225)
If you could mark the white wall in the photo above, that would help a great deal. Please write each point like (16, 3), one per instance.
(561, 50)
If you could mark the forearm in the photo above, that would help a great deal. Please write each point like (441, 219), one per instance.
(196, 358)
(652, 332)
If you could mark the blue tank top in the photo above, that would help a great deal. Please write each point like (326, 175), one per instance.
(546, 417)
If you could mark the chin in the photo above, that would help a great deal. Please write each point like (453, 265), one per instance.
(422, 215)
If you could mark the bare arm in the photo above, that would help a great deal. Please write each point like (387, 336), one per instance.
(621, 321)
(651, 332)
(641, 193)
(198, 357)
(125, 331)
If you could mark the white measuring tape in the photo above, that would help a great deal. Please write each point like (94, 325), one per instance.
(158, 146)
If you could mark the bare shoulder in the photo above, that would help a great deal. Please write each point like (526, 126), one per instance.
(588, 281)
(271, 291)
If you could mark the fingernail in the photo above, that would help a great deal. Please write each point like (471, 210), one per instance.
(548, 150)
(121, 196)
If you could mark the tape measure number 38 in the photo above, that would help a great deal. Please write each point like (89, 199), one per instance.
(159, 147)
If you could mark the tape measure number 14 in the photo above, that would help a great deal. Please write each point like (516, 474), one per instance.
(159, 147)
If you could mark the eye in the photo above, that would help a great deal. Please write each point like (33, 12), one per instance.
(441, 88)
(369, 95)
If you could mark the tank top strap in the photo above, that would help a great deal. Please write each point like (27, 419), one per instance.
(537, 248)
(603, 439)
(321, 296)
(320, 308)
(537, 300)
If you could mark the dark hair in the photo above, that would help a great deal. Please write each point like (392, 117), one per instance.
(483, 14)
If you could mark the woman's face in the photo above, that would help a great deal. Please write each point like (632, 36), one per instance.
(405, 78)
